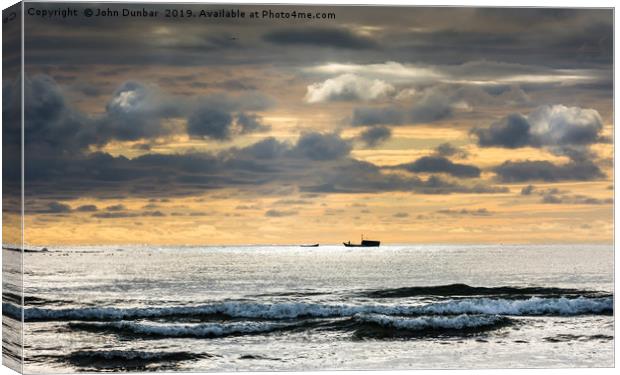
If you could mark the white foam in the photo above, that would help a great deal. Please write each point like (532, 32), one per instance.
(493, 306)
(193, 330)
(458, 322)
(531, 306)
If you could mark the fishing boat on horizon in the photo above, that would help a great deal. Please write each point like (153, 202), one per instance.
(364, 243)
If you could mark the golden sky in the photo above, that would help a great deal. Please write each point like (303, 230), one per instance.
(495, 127)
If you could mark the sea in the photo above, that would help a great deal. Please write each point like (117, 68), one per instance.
(273, 308)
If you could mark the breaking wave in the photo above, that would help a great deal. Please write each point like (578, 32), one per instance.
(385, 326)
(204, 330)
(458, 322)
(494, 306)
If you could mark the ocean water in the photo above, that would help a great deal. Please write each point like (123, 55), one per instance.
(326, 308)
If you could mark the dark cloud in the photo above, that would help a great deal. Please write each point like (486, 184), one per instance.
(527, 190)
(317, 146)
(432, 104)
(556, 196)
(574, 199)
(55, 208)
(377, 116)
(114, 215)
(280, 213)
(447, 150)
(210, 123)
(316, 163)
(547, 126)
(511, 132)
(438, 164)
(375, 135)
(134, 112)
(155, 214)
(465, 211)
(116, 207)
(125, 214)
(250, 123)
(247, 207)
(268, 148)
(400, 215)
(292, 202)
(542, 170)
(216, 117)
(87, 208)
(49, 124)
(323, 37)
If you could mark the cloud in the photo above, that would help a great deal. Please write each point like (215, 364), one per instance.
(116, 207)
(125, 214)
(292, 202)
(251, 123)
(323, 37)
(55, 208)
(280, 213)
(555, 196)
(316, 163)
(465, 211)
(439, 164)
(561, 125)
(375, 135)
(448, 150)
(87, 208)
(390, 71)
(210, 123)
(113, 215)
(318, 146)
(542, 170)
(400, 215)
(473, 71)
(348, 87)
(366, 116)
(134, 112)
(574, 199)
(527, 190)
(546, 126)
(430, 105)
(52, 126)
(512, 131)
(221, 117)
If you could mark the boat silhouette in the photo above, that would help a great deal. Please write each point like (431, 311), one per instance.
(364, 243)
(313, 245)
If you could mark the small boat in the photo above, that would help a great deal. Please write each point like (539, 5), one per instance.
(313, 245)
(364, 243)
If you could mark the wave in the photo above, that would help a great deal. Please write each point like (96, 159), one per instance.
(525, 307)
(129, 360)
(376, 325)
(203, 330)
(383, 326)
(454, 290)
(493, 306)
(459, 322)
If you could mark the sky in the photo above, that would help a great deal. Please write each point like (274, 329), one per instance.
(409, 125)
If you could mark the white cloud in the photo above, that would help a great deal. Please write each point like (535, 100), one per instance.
(349, 87)
(559, 125)
(470, 73)
(388, 71)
